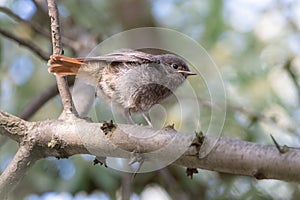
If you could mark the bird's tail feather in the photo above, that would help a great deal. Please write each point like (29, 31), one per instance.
(63, 65)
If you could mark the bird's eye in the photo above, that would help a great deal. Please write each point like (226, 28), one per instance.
(175, 66)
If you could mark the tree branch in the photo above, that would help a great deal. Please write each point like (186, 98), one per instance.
(62, 85)
(16, 170)
(252, 115)
(12, 126)
(77, 136)
(30, 45)
(16, 129)
(38, 101)
(75, 46)
(37, 28)
(288, 68)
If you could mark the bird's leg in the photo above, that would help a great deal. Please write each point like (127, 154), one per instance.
(128, 117)
(136, 157)
(147, 118)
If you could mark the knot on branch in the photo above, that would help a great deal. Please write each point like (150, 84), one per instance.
(108, 127)
(190, 172)
(170, 127)
(54, 143)
(259, 175)
(198, 140)
(58, 146)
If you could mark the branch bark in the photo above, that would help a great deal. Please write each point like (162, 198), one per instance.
(64, 138)
(16, 170)
(62, 85)
(16, 129)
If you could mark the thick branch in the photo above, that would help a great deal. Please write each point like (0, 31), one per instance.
(57, 49)
(12, 126)
(76, 136)
(246, 158)
(16, 129)
(16, 170)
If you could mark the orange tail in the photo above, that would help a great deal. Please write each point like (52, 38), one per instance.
(63, 65)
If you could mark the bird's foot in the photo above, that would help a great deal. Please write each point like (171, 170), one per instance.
(136, 157)
(147, 118)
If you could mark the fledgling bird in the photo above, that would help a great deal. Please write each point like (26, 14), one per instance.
(132, 79)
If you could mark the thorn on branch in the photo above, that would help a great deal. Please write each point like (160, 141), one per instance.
(108, 127)
(190, 171)
(282, 149)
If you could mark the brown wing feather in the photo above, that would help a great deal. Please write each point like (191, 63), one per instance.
(63, 65)
(124, 56)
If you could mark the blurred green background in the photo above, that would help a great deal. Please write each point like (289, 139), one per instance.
(255, 44)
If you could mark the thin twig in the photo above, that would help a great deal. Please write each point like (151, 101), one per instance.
(37, 28)
(293, 76)
(30, 45)
(171, 182)
(62, 85)
(75, 46)
(254, 116)
(126, 186)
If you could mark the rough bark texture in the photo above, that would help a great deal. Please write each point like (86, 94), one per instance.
(64, 138)
(62, 84)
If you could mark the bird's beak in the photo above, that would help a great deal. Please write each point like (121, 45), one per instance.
(186, 73)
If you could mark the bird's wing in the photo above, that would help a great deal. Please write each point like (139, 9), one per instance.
(63, 65)
(123, 56)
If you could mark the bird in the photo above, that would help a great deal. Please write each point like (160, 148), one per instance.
(132, 79)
